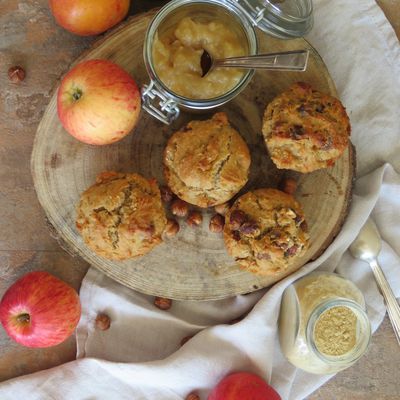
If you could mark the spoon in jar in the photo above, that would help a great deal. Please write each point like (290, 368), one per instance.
(366, 247)
(284, 61)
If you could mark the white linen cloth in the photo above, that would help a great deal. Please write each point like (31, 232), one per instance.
(140, 356)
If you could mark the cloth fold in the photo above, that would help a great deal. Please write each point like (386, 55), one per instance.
(140, 357)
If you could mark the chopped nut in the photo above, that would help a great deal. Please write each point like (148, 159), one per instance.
(179, 208)
(194, 218)
(103, 322)
(172, 228)
(291, 251)
(263, 256)
(236, 235)
(16, 74)
(186, 339)
(236, 219)
(289, 186)
(217, 223)
(304, 226)
(166, 194)
(192, 396)
(297, 132)
(249, 229)
(222, 209)
(163, 303)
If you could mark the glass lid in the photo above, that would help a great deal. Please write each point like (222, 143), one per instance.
(284, 19)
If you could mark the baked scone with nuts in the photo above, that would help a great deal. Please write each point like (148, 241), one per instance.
(305, 130)
(265, 231)
(206, 162)
(121, 215)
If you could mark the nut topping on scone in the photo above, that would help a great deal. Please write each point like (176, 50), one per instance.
(265, 230)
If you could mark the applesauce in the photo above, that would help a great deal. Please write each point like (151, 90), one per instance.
(177, 53)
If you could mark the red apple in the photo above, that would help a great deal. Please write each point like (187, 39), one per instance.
(40, 310)
(243, 386)
(88, 17)
(98, 102)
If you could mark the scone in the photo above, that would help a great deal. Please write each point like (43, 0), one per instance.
(265, 231)
(305, 130)
(207, 162)
(121, 215)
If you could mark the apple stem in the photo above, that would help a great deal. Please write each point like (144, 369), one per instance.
(24, 318)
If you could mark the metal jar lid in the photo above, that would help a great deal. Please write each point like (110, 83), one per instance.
(285, 19)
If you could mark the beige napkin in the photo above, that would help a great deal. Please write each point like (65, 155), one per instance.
(140, 356)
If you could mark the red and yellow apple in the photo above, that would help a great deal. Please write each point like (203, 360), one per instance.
(40, 310)
(88, 17)
(98, 102)
(243, 386)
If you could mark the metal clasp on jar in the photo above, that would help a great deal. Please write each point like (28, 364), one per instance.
(159, 105)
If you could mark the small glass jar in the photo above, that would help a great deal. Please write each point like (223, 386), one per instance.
(323, 326)
(283, 19)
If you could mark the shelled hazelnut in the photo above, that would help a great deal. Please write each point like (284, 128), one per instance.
(236, 219)
(16, 74)
(163, 303)
(194, 218)
(103, 322)
(172, 228)
(166, 194)
(217, 223)
(192, 396)
(288, 185)
(179, 208)
(222, 209)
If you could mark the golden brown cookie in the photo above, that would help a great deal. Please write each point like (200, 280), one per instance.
(265, 231)
(305, 130)
(121, 215)
(206, 162)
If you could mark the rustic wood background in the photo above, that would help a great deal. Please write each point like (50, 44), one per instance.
(30, 37)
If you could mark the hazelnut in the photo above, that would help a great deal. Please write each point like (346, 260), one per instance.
(192, 396)
(166, 194)
(291, 251)
(249, 229)
(186, 339)
(289, 186)
(162, 303)
(304, 226)
(222, 208)
(263, 256)
(194, 218)
(172, 228)
(236, 219)
(236, 236)
(16, 74)
(217, 223)
(103, 322)
(179, 208)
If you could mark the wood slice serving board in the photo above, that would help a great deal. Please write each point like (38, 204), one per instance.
(193, 265)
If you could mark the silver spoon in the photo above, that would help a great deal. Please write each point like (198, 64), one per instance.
(366, 247)
(284, 61)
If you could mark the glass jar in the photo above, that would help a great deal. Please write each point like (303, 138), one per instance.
(323, 326)
(283, 19)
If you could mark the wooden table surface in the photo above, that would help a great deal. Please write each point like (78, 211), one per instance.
(30, 37)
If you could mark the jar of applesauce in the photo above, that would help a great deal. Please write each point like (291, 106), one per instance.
(182, 29)
(323, 326)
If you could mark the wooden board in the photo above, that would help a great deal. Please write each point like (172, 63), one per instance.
(194, 265)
